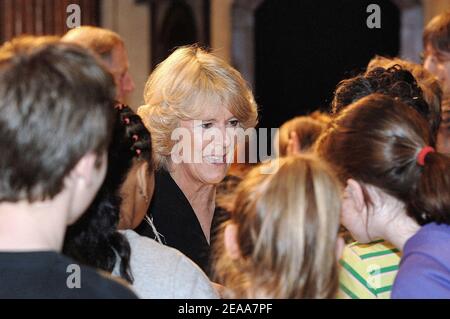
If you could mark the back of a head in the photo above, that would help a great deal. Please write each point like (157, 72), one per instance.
(377, 141)
(55, 107)
(395, 82)
(308, 131)
(437, 33)
(101, 41)
(287, 230)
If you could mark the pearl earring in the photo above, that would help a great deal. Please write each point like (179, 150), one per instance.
(144, 195)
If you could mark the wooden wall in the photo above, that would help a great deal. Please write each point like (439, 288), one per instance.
(41, 17)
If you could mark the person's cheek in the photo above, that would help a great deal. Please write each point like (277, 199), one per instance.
(430, 65)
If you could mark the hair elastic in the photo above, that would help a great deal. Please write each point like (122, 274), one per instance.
(423, 154)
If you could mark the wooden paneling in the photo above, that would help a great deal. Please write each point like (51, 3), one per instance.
(41, 17)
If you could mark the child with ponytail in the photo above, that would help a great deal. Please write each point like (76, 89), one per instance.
(282, 239)
(395, 183)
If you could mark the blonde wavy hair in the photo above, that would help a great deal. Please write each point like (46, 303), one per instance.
(287, 230)
(182, 86)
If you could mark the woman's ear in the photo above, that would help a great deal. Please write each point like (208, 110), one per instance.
(141, 177)
(355, 193)
(231, 241)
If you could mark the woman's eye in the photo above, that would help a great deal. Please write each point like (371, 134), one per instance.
(234, 123)
(206, 125)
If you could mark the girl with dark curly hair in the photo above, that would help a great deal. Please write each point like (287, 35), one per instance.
(154, 270)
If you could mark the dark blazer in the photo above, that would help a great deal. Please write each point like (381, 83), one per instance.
(176, 221)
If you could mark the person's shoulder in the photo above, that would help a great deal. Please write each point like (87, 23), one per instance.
(368, 270)
(87, 282)
(147, 251)
(422, 276)
(113, 287)
(380, 250)
(169, 268)
(432, 240)
(425, 266)
(192, 281)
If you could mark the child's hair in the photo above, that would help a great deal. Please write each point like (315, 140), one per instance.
(94, 239)
(320, 116)
(394, 81)
(287, 232)
(56, 105)
(428, 83)
(378, 141)
(308, 131)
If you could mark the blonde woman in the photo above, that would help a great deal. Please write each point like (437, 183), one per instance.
(282, 239)
(196, 93)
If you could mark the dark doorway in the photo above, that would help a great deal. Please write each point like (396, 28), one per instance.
(304, 48)
(176, 23)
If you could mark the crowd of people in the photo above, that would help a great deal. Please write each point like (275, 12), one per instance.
(96, 203)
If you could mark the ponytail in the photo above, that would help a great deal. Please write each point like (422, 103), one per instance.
(382, 142)
(431, 200)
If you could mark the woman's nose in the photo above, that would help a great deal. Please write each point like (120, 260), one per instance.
(430, 65)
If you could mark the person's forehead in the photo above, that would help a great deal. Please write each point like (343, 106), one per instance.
(214, 111)
(439, 54)
(119, 57)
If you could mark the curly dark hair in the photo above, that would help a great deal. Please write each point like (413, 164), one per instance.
(395, 82)
(94, 239)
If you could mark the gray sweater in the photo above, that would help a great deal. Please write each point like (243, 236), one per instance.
(162, 272)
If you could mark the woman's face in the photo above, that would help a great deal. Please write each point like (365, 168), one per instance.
(439, 65)
(136, 193)
(443, 140)
(207, 146)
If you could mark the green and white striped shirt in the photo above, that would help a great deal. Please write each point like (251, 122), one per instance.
(368, 270)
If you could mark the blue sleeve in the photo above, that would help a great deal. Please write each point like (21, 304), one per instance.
(421, 276)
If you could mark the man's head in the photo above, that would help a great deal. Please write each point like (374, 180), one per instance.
(436, 40)
(55, 124)
(111, 49)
